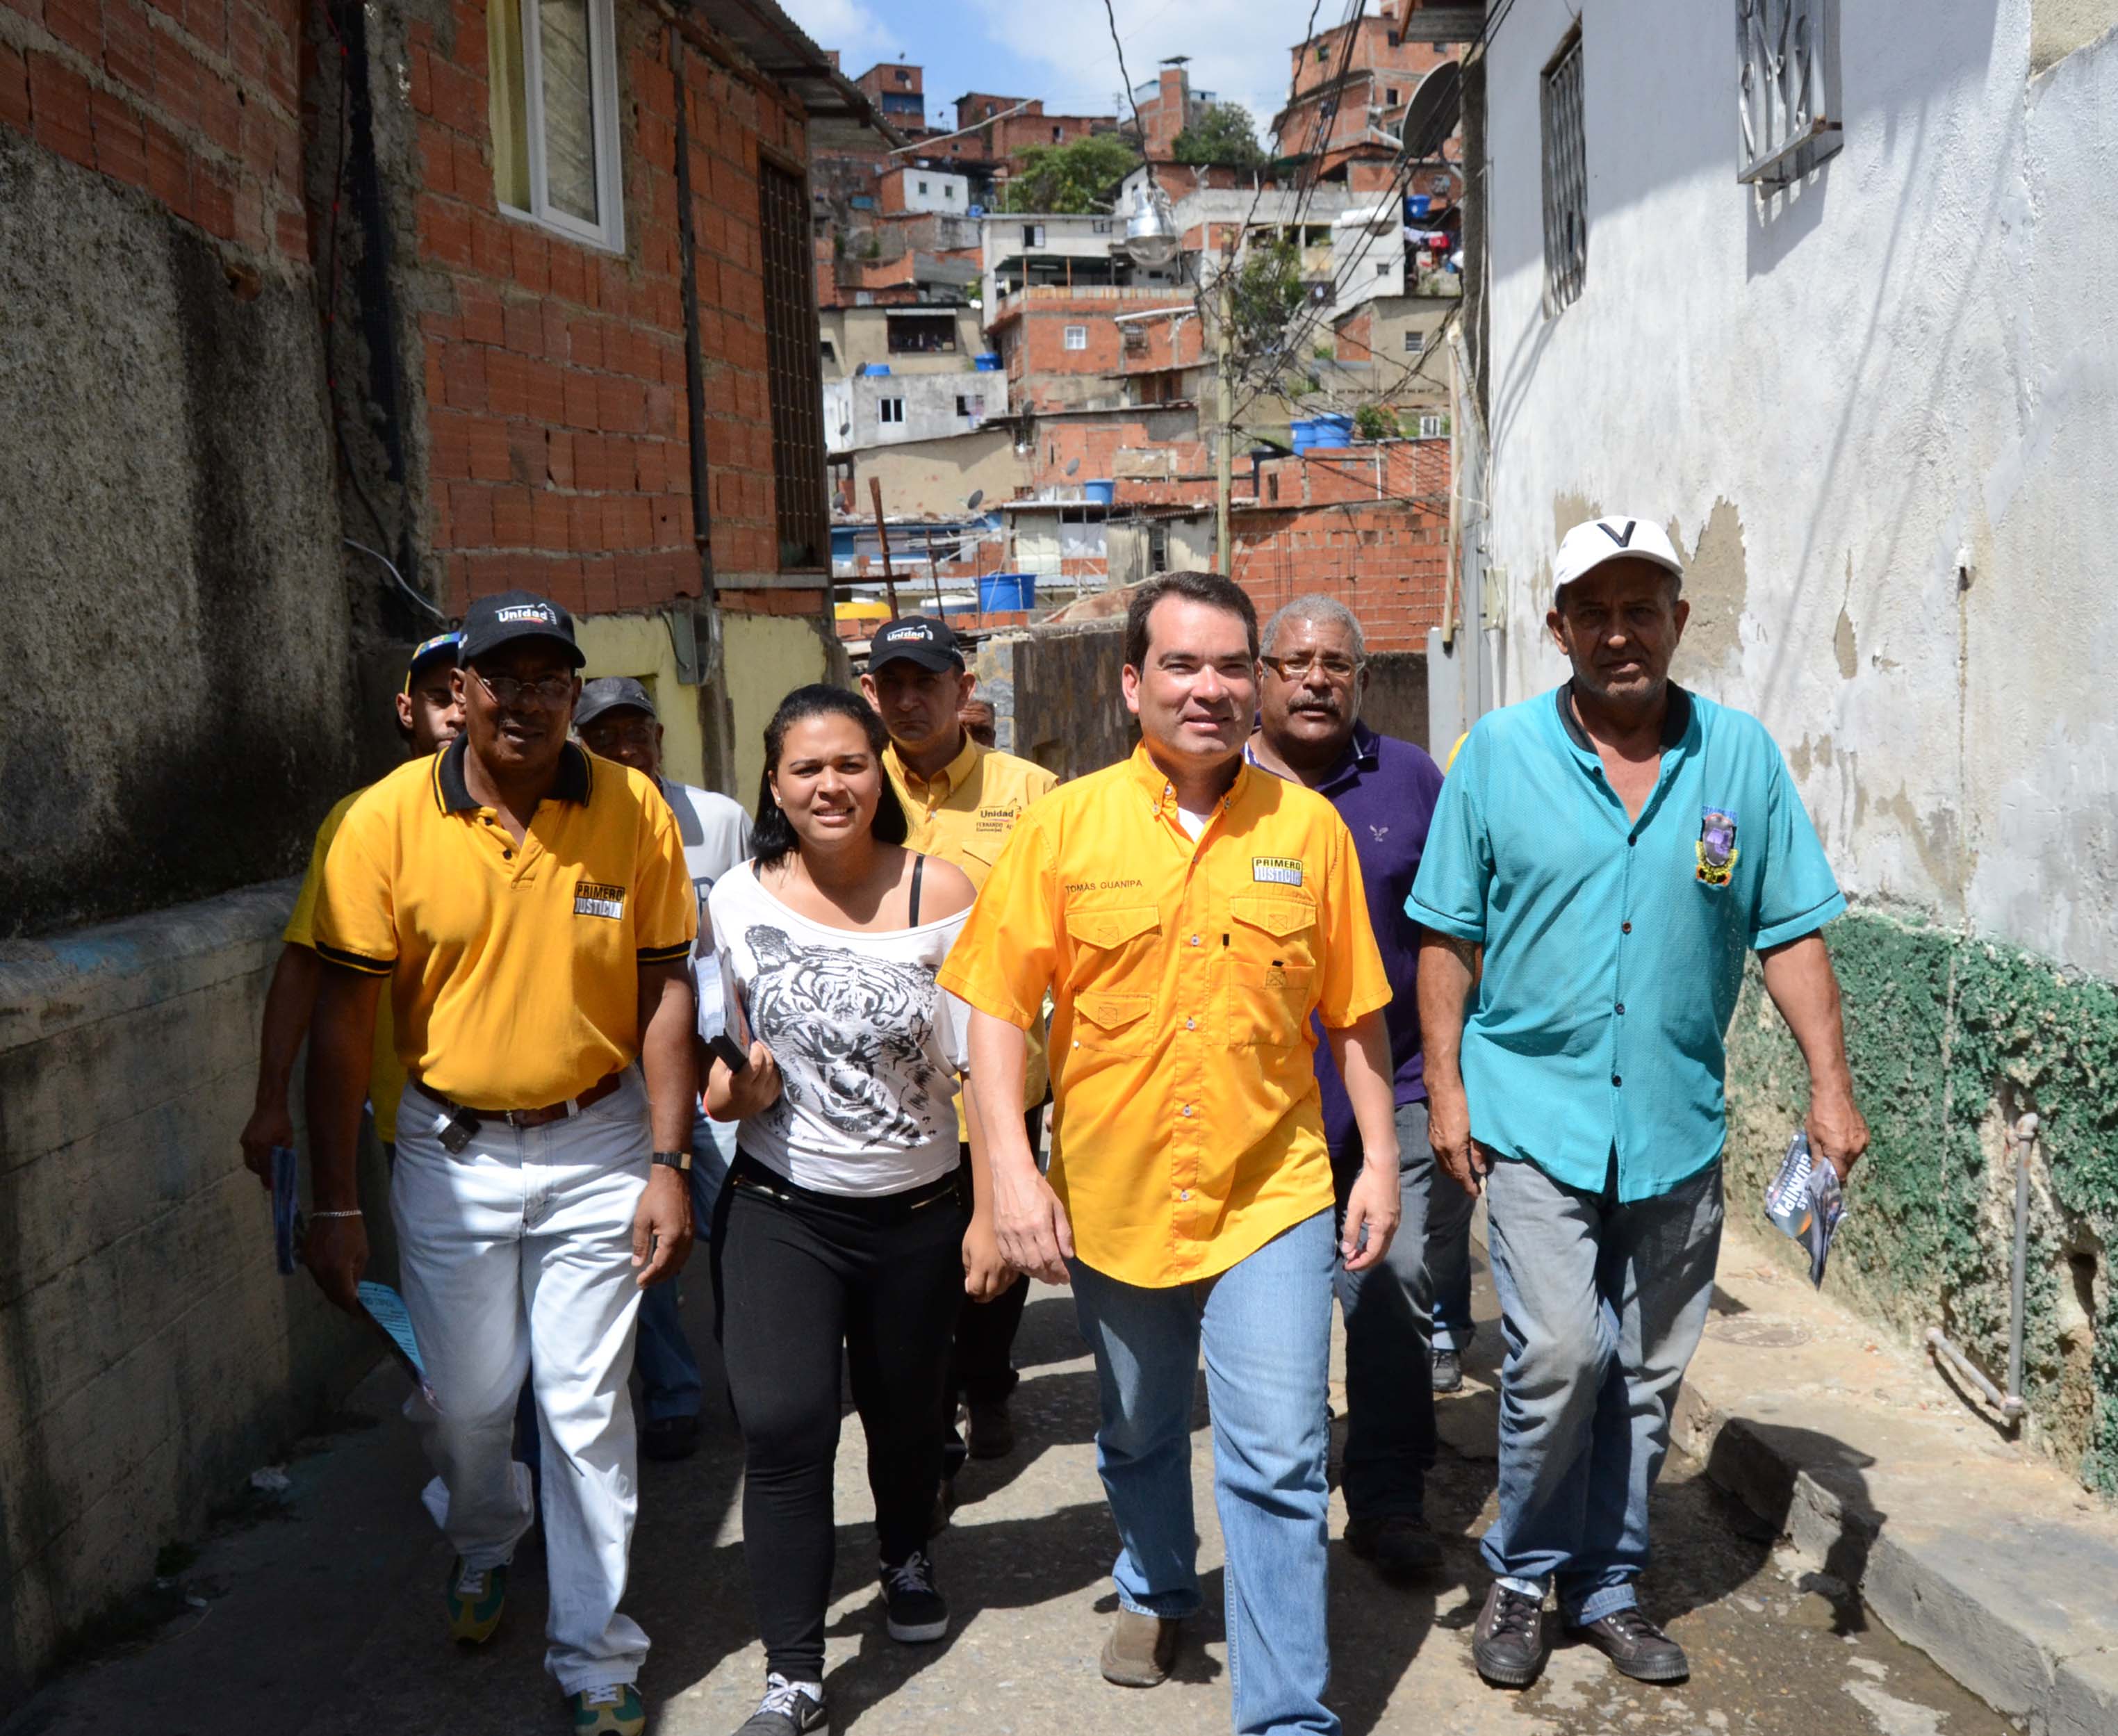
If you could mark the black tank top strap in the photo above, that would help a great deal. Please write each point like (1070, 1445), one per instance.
(919, 867)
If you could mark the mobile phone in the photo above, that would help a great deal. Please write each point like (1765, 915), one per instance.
(724, 1046)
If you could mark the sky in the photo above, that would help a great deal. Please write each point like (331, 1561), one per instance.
(1061, 49)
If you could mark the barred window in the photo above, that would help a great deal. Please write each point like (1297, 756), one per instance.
(1565, 179)
(793, 380)
(1787, 90)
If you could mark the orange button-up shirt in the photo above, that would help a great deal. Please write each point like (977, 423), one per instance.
(1187, 1131)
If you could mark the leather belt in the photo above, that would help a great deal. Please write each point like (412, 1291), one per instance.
(545, 1116)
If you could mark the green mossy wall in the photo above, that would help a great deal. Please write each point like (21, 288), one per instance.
(1950, 1038)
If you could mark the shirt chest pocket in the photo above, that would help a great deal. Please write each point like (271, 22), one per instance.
(1115, 966)
(1272, 970)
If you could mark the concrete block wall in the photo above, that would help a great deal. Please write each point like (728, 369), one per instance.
(150, 1356)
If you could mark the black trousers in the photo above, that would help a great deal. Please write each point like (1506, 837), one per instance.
(801, 1277)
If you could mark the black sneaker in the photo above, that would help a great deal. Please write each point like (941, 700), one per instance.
(1508, 1644)
(919, 1614)
(1401, 1547)
(991, 1430)
(788, 1709)
(1638, 1647)
(1448, 1372)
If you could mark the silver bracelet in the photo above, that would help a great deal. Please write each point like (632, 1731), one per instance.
(336, 1214)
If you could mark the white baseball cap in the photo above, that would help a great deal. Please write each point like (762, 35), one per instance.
(1613, 537)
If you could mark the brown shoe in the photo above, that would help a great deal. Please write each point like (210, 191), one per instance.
(1139, 1650)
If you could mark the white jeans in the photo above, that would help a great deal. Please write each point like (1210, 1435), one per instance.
(517, 1252)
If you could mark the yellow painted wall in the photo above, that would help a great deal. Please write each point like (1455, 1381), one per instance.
(766, 656)
(638, 646)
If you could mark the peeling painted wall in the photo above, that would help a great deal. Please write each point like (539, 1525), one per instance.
(1878, 413)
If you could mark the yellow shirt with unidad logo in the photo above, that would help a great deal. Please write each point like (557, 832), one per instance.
(514, 972)
(385, 1077)
(1188, 1132)
(964, 814)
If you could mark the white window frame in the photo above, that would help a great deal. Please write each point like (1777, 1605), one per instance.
(1074, 337)
(1430, 428)
(889, 412)
(609, 235)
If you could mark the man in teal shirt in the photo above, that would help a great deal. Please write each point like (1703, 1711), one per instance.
(1614, 849)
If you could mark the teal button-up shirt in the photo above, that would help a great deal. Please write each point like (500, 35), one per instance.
(1614, 946)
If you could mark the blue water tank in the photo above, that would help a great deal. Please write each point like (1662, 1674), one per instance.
(876, 370)
(1323, 431)
(1417, 206)
(1004, 593)
(987, 361)
(1103, 494)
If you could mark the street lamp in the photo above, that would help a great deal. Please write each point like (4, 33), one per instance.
(1150, 233)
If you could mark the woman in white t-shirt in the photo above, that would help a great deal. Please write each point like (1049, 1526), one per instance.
(840, 1226)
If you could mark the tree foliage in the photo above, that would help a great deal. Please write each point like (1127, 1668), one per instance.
(1076, 178)
(1267, 294)
(1224, 137)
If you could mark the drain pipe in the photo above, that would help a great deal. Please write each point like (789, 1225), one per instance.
(2011, 1404)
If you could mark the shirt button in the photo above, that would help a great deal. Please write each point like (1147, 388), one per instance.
(1621, 1009)
(1187, 1109)
(1625, 927)
(1194, 940)
(1185, 1194)
(507, 855)
(1631, 841)
(1191, 1025)
(1616, 1080)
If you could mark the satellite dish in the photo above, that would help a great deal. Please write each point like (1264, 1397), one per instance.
(1431, 114)
(971, 504)
(844, 428)
(1072, 466)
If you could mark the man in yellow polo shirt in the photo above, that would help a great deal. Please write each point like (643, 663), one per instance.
(528, 908)
(962, 800)
(1188, 914)
(429, 716)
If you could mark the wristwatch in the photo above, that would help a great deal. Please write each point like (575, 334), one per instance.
(672, 1159)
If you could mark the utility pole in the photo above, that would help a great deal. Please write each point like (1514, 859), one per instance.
(882, 534)
(1224, 296)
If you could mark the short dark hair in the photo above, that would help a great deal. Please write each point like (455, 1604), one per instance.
(774, 836)
(1208, 588)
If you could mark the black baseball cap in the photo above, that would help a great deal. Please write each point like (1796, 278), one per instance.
(492, 622)
(611, 693)
(918, 639)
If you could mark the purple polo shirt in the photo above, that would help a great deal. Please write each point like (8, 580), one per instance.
(1385, 790)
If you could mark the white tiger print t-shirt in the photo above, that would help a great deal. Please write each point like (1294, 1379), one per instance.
(869, 1049)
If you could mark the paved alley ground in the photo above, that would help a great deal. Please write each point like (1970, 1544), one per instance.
(319, 1614)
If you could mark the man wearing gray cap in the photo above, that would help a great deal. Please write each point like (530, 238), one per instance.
(1616, 847)
(616, 719)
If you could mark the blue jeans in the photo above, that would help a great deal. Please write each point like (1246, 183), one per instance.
(1601, 1305)
(1265, 1327)
(669, 1383)
(1389, 1394)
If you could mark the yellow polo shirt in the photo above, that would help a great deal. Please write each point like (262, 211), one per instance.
(1188, 1132)
(964, 814)
(514, 973)
(386, 1078)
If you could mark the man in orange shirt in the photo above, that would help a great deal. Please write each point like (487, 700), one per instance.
(1188, 914)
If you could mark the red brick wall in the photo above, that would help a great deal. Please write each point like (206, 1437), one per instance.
(555, 372)
(195, 102)
(1386, 559)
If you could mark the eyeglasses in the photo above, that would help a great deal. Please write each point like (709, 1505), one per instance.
(1337, 666)
(546, 690)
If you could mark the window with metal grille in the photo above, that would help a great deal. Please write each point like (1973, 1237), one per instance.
(1786, 88)
(793, 382)
(1565, 179)
(1415, 343)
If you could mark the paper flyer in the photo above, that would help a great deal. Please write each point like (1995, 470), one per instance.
(386, 1307)
(1805, 1199)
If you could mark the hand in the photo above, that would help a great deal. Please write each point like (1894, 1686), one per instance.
(1374, 1203)
(336, 1254)
(1030, 1222)
(986, 1275)
(1838, 1133)
(269, 1124)
(737, 1096)
(1449, 1132)
(662, 1226)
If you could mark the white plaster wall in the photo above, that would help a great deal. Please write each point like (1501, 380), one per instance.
(948, 194)
(1906, 364)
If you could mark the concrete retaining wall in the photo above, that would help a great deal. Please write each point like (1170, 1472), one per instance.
(150, 1357)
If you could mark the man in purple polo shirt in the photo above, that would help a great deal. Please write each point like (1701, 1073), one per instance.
(1310, 732)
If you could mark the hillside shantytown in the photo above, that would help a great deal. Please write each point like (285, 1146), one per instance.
(829, 907)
